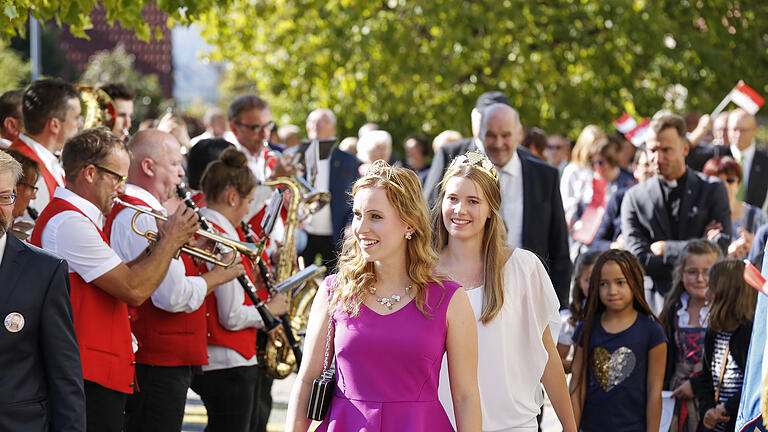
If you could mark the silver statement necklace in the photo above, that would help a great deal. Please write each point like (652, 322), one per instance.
(388, 301)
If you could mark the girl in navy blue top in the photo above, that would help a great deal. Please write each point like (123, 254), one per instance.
(621, 350)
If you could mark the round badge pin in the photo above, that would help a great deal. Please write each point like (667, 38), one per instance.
(14, 322)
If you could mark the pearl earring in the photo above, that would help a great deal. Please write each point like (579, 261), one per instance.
(408, 236)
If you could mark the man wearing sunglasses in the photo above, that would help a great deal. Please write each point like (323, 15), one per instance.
(102, 285)
(42, 388)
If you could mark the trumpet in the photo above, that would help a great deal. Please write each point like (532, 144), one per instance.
(252, 251)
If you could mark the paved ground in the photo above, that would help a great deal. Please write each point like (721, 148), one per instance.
(195, 417)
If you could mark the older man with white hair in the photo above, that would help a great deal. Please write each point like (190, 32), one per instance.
(372, 146)
(336, 172)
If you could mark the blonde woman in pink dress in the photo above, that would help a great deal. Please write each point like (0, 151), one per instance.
(392, 321)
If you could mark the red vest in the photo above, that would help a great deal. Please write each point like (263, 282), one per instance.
(48, 178)
(165, 338)
(101, 321)
(243, 341)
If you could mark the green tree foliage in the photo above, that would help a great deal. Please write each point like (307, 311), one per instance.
(14, 72)
(117, 66)
(419, 65)
(13, 14)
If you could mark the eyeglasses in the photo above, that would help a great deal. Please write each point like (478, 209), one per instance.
(732, 180)
(34, 188)
(120, 178)
(257, 127)
(694, 273)
(7, 199)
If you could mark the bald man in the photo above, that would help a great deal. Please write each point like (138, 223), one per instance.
(741, 132)
(170, 329)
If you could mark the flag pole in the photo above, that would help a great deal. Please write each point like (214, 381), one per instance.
(726, 100)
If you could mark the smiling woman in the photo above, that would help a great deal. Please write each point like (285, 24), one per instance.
(387, 268)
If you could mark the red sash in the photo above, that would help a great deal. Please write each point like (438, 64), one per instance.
(48, 178)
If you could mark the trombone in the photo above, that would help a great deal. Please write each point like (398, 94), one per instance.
(251, 250)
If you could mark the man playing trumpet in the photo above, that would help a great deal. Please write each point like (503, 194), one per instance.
(170, 328)
(103, 285)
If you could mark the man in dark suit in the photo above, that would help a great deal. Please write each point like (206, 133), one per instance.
(539, 226)
(42, 384)
(335, 174)
(678, 204)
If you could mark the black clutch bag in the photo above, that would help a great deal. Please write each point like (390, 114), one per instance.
(324, 385)
(322, 393)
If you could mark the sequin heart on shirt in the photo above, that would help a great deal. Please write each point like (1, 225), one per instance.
(611, 369)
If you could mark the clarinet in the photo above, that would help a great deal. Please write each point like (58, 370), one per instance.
(298, 353)
(270, 322)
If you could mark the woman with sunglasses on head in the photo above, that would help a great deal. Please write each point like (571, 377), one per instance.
(512, 298)
(746, 218)
(388, 319)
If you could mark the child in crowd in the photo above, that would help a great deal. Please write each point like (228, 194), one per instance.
(726, 343)
(618, 367)
(684, 319)
(571, 317)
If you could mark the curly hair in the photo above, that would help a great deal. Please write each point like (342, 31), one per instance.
(356, 275)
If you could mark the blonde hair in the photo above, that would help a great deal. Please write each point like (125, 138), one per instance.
(356, 275)
(585, 144)
(494, 235)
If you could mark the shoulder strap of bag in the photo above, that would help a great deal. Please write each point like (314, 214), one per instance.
(722, 372)
(330, 329)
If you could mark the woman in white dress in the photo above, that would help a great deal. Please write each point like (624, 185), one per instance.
(512, 298)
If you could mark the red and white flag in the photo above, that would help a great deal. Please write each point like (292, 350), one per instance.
(625, 123)
(754, 278)
(637, 135)
(748, 99)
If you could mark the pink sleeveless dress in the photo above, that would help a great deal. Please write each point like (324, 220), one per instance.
(388, 368)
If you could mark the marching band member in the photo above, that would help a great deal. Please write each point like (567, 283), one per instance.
(51, 111)
(122, 96)
(103, 285)
(170, 329)
(229, 381)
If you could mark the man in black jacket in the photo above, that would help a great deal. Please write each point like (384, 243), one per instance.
(678, 204)
(42, 384)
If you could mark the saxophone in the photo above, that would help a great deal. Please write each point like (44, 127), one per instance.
(280, 357)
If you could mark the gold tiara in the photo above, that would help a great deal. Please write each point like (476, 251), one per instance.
(381, 169)
(476, 159)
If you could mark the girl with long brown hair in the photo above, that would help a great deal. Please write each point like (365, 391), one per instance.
(618, 367)
(391, 319)
(512, 299)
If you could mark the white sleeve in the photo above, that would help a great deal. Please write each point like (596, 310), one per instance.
(566, 329)
(177, 292)
(233, 314)
(77, 240)
(543, 300)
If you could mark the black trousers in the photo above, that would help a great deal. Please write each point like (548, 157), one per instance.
(323, 246)
(228, 395)
(104, 408)
(262, 402)
(159, 403)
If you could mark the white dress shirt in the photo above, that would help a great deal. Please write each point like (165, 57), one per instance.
(4, 143)
(53, 165)
(747, 156)
(511, 182)
(177, 292)
(202, 136)
(320, 223)
(3, 241)
(75, 238)
(233, 314)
